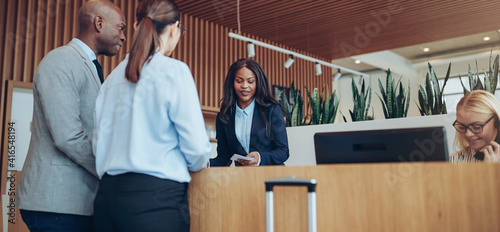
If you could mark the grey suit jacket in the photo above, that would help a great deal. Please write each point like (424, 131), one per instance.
(59, 173)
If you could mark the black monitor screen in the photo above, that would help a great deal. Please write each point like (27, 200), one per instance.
(389, 145)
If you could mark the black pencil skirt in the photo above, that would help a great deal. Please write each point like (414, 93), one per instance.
(139, 202)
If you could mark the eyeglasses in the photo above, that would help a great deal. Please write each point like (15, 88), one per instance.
(183, 29)
(475, 128)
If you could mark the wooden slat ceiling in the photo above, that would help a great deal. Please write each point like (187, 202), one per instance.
(325, 27)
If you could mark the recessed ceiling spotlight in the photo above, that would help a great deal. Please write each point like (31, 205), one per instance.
(486, 38)
(427, 49)
(357, 61)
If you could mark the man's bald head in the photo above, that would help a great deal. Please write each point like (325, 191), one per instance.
(93, 8)
(101, 26)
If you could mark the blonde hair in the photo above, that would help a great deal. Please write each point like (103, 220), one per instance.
(477, 101)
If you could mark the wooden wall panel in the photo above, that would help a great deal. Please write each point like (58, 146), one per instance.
(26, 56)
(3, 18)
(33, 28)
(18, 46)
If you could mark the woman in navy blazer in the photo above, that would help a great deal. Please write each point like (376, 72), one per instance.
(250, 122)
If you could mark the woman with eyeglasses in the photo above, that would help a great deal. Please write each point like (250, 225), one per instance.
(149, 131)
(477, 128)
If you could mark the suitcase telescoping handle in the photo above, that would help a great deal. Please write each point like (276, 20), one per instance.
(291, 181)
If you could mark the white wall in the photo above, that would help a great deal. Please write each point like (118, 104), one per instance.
(301, 139)
(21, 116)
(344, 89)
(459, 66)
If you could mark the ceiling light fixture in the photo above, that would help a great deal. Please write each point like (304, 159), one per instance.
(426, 49)
(337, 75)
(295, 54)
(289, 62)
(318, 69)
(486, 38)
(251, 49)
(357, 61)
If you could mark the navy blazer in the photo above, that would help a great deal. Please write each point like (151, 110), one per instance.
(270, 142)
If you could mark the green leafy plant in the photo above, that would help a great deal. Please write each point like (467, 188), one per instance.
(323, 111)
(330, 107)
(395, 104)
(293, 110)
(431, 97)
(362, 100)
(490, 78)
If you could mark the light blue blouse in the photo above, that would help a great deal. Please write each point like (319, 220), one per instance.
(154, 126)
(243, 125)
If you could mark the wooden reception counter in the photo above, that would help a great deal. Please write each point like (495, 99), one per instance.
(356, 197)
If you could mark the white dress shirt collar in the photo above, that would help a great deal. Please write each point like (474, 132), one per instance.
(85, 48)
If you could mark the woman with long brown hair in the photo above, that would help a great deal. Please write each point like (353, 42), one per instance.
(250, 122)
(149, 130)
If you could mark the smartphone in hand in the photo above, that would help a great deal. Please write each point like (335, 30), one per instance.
(480, 155)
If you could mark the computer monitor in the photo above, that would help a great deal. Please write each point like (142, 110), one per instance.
(388, 145)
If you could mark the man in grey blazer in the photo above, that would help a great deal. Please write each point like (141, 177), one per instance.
(59, 181)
